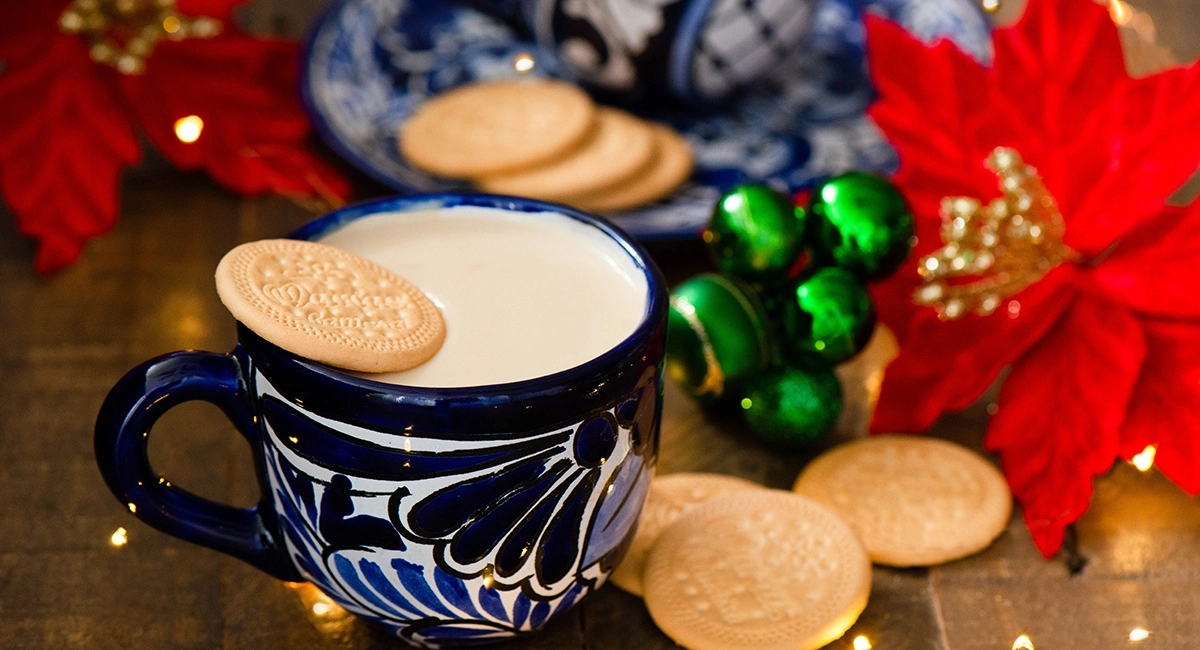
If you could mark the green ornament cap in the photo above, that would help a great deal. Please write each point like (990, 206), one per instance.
(755, 232)
(717, 336)
(790, 408)
(860, 222)
(826, 318)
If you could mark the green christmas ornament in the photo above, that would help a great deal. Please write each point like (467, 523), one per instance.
(860, 222)
(826, 319)
(716, 336)
(755, 232)
(791, 408)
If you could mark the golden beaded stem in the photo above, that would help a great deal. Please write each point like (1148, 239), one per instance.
(992, 252)
(123, 33)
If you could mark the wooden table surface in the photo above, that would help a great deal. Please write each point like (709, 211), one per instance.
(146, 289)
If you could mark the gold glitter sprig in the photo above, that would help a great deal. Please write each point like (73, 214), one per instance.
(992, 252)
(123, 33)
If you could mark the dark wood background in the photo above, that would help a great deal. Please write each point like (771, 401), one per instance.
(146, 289)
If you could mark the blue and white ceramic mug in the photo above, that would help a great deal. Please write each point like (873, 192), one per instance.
(450, 516)
(694, 50)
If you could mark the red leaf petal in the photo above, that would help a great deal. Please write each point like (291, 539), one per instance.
(926, 115)
(1163, 410)
(1055, 69)
(947, 365)
(1061, 411)
(1057, 62)
(26, 28)
(1110, 149)
(1145, 147)
(63, 142)
(244, 89)
(1153, 268)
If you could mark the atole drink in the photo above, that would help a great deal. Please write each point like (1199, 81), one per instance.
(523, 294)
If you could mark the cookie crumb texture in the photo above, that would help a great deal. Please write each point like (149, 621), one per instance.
(619, 147)
(913, 501)
(329, 305)
(670, 496)
(763, 569)
(496, 127)
(670, 168)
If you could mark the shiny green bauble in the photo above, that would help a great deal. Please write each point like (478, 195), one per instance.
(791, 408)
(755, 232)
(826, 318)
(717, 336)
(860, 222)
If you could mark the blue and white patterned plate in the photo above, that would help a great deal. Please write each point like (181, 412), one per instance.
(370, 63)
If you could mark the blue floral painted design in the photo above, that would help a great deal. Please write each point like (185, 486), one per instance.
(459, 539)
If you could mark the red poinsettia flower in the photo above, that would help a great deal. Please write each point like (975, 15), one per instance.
(69, 123)
(1104, 348)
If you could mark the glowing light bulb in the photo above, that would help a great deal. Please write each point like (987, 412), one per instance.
(1120, 12)
(524, 63)
(321, 606)
(991, 6)
(861, 643)
(1023, 643)
(188, 129)
(1138, 634)
(120, 537)
(1145, 460)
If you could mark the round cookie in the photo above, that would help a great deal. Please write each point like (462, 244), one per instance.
(670, 496)
(496, 126)
(761, 570)
(672, 165)
(913, 501)
(619, 147)
(329, 305)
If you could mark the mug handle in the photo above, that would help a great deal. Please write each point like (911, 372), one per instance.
(123, 431)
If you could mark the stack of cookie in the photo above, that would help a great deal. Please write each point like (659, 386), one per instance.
(724, 563)
(546, 140)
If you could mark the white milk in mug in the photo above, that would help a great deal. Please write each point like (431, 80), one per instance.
(523, 295)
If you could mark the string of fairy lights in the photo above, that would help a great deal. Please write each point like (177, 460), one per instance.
(329, 617)
(322, 610)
